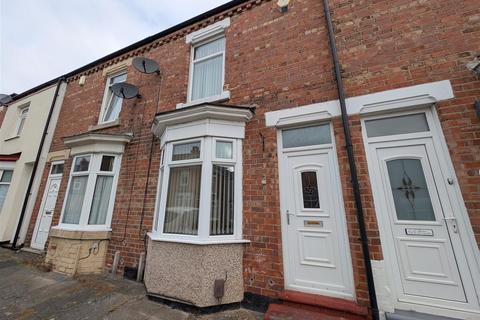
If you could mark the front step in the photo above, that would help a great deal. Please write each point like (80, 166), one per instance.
(412, 315)
(298, 305)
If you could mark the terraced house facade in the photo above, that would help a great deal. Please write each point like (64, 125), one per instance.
(229, 177)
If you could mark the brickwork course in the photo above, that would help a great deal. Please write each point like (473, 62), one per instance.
(276, 61)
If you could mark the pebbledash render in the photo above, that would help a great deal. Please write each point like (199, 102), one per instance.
(227, 179)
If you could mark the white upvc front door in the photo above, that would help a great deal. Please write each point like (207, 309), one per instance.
(314, 234)
(44, 219)
(420, 222)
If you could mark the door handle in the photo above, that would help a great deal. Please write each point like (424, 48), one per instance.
(288, 216)
(454, 223)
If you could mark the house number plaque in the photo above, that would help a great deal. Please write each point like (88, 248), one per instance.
(419, 232)
(313, 223)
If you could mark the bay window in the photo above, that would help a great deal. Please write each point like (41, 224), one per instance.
(91, 191)
(200, 198)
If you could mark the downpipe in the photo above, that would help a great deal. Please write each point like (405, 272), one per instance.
(353, 168)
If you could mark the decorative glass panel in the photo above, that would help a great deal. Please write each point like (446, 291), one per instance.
(397, 125)
(224, 150)
(186, 151)
(107, 163)
(183, 200)
(307, 136)
(76, 194)
(81, 164)
(410, 192)
(310, 194)
(7, 176)
(222, 212)
(57, 168)
(101, 200)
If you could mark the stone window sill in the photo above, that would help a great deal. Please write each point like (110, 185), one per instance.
(156, 237)
(225, 95)
(102, 126)
(58, 232)
(12, 138)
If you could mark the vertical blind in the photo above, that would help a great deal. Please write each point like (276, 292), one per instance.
(76, 194)
(222, 212)
(183, 200)
(101, 200)
(208, 69)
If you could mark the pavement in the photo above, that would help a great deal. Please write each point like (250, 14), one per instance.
(29, 291)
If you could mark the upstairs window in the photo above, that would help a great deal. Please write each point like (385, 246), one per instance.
(5, 180)
(21, 121)
(207, 69)
(91, 191)
(112, 105)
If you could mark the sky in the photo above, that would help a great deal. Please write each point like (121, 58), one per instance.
(43, 39)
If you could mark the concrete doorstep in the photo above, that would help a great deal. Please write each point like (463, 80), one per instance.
(30, 292)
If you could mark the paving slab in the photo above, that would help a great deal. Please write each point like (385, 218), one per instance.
(29, 291)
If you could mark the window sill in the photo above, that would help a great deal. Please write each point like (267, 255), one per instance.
(155, 237)
(225, 95)
(105, 125)
(80, 233)
(12, 138)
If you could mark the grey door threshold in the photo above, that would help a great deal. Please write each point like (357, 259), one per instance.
(412, 315)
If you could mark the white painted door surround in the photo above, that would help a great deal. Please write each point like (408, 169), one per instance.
(314, 233)
(424, 229)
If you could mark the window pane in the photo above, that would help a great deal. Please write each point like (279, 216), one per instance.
(410, 192)
(107, 163)
(118, 78)
(73, 207)
(3, 194)
(81, 164)
(224, 150)
(222, 212)
(207, 78)
(101, 200)
(20, 126)
(7, 176)
(186, 151)
(113, 109)
(310, 190)
(397, 125)
(183, 200)
(210, 48)
(308, 136)
(57, 168)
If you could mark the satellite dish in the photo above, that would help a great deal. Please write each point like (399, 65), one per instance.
(5, 99)
(145, 65)
(125, 90)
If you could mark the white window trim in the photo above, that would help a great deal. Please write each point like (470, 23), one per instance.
(93, 172)
(207, 160)
(199, 38)
(2, 170)
(107, 96)
(22, 117)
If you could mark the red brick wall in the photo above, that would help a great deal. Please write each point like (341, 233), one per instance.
(277, 61)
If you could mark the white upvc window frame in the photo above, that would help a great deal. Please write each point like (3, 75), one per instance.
(93, 172)
(207, 160)
(108, 96)
(2, 170)
(22, 120)
(194, 61)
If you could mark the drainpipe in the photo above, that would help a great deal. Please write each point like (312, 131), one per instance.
(35, 165)
(352, 165)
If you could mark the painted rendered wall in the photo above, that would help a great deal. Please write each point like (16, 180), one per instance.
(27, 144)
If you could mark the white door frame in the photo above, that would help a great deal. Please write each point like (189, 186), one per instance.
(454, 193)
(42, 205)
(340, 211)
